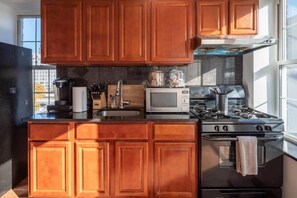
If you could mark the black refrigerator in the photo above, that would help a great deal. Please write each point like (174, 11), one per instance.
(15, 104)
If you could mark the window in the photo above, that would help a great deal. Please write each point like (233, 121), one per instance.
(43, 75)
(288, 67)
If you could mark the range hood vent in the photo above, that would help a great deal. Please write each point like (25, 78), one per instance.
(232, 45)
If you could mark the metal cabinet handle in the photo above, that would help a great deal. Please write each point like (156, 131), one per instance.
(218, 138)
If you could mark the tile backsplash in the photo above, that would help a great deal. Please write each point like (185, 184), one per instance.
(206, 70)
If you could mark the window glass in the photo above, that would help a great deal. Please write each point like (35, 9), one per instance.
(43, 74)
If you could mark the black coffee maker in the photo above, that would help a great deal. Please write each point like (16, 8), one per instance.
(63, 94)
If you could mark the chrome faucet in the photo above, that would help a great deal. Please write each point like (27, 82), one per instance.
(119, 93)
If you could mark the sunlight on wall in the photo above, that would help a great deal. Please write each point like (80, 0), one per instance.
(261, 90)
(210, 77)
(263, 21)
(261, 59)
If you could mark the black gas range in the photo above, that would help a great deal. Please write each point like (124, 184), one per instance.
(219, 132)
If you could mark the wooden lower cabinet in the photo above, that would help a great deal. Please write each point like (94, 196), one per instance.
(174, 170)
(131, 169)
(50, 170)
(92, 169)
(113, 160)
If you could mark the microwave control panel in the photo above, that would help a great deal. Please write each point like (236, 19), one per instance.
(185, 100)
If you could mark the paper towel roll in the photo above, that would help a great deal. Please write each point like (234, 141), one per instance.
(79, 99)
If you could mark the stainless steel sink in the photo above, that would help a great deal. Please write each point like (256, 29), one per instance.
(118, 112)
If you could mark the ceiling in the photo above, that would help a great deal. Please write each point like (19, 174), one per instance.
(23, 7)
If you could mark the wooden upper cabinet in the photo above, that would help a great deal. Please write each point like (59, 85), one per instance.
(212, 17)
(61, 31)
(243, 17)
(131, 169)
(171, 31)
(133, 30)
(50, 169)
(99, 20)
(92, 169)
(175, 170)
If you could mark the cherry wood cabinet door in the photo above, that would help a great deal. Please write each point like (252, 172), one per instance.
(133, 30)
(243, 17)
(61, 31)
(175, 170)
(171, 31)
(131, 169)
(100, 32)
(92, 169)
(50, 169)
(212, 17)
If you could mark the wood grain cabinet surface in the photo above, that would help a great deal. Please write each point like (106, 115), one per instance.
(244, 16)
(92, 169)
(117, 32)
(112, 160)
(171, 31)
(50, 169)
(99, 30)
(212, 17)
(61, 31)
(221, 17)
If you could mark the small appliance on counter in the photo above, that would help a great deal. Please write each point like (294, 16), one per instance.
(79, 99)
(63, 94)
(167, 100)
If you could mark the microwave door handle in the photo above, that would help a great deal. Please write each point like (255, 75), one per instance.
(263, 139)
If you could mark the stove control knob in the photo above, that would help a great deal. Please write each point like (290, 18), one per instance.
(268, 128)
(225, 128)
(259, 128)
(217, 128)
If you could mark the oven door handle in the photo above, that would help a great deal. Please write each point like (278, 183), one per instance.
(263, 139)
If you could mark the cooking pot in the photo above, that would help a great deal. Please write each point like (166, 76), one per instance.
(221, 99)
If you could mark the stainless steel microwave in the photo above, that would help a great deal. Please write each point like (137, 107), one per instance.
(167, 100)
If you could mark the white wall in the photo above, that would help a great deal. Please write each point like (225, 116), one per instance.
(8, 25)
(260, 67)
(290, 178)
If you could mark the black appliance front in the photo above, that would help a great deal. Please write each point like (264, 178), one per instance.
(218, 168)
(242, 193)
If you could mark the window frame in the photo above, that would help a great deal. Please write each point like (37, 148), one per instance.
(284, 63)
(35, 66)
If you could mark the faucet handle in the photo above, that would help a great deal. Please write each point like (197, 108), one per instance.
(126, 102)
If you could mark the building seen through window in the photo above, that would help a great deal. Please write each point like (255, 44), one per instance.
(29, 35)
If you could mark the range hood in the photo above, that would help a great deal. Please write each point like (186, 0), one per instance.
(232, 45)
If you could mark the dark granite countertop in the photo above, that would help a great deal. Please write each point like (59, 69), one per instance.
(91, 116)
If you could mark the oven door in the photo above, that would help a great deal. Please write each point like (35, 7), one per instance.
(242, 193)
(218, 168)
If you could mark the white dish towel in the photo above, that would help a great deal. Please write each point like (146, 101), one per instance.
(246, 155)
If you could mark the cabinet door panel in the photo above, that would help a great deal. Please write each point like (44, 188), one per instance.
(211, 17)
(61, 31)
(133, 30)
(100, 30)
(175, 170)
(243, 16)
(50, 169)
(92, 169)
(131, 169)
(171, 31)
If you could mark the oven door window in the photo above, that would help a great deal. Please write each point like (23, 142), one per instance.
(164, 99)
(227, 155)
